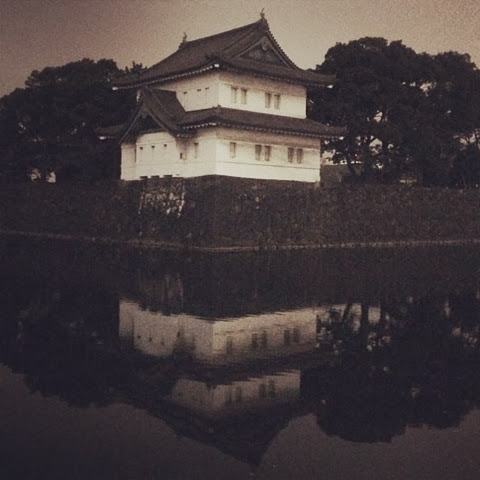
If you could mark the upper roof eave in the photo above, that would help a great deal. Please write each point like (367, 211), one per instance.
(200, 55)
(302, 77)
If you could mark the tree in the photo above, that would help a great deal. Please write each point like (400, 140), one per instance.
(407, 114)
(50, 124)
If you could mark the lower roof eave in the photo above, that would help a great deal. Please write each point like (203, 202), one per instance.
(269, 130)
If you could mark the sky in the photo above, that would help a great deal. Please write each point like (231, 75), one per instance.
(35, 34)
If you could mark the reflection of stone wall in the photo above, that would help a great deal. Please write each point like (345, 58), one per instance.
(221, 211)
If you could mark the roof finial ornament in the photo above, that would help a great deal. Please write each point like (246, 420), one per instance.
(184, 40)
(262, 14)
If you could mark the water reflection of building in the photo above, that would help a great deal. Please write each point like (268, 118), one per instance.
(237, 395)
(225, 397)
(218, 340)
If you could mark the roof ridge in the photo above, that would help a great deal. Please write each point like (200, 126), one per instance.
(226, 33)
(188, 43)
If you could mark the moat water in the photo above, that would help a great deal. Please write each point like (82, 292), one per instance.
(338, 364)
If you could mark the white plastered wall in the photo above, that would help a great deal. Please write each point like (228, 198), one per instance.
(128, 165)
(214, 341)
(232, 339)
(213, 89)
(292, 97)
(255, 392)
(209, 153)
(196, 92)
(244, 163)
(160, 154)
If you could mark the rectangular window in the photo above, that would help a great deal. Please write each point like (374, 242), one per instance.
(243, 96)
(233, 149)
(271, 389)
(296, 335)
(258, 152)
(238, 394)
(299, 155)
(229, 346)
(291, 152)
(268, 151)
(262, 390)
(233, 94)
(254, 344)
(276, 102)
(195, 149)
(268, 100)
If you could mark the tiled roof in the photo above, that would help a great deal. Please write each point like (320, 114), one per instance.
(230, 117)
(305, 77)
(162, 106)
(224, 51)
(165, 111)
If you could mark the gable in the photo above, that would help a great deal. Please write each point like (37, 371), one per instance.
(265, 52)
(144, 124)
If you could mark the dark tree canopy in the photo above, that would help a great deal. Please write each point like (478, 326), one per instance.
(50, 124)
(408, 115)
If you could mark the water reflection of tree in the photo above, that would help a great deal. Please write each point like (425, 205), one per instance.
(62, 339)
(402, 361)
(415, 363)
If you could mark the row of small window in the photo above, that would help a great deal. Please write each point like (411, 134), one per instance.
(264, 390)
(271, 99)
(182, 155)
(261, 340)
(264, 152)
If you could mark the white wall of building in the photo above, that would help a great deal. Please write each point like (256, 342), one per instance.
(128, 165)
(218, 341)
(246, 164)
(210, 153)
(196, 92)
(215, 89)
(292, 97)
(222, 399)
(161, 154)
(264, 335)
(154, 333)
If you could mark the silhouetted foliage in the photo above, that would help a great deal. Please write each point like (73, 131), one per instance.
(409, 116)
(49, 126)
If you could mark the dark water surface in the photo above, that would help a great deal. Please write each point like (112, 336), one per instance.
(335, 364)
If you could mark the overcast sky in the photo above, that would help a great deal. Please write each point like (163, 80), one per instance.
(39, 33)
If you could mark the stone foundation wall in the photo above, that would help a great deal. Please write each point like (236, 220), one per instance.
(229, 212)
